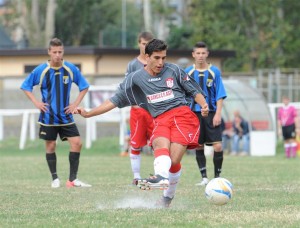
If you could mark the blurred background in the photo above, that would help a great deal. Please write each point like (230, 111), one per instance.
(255, 43)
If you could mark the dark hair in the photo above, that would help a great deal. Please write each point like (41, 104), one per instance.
(55, 42)
(200, 45)
(154, 46)
(146, 36)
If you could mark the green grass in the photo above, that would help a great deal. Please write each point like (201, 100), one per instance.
(266, 191)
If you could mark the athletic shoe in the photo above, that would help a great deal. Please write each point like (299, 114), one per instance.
(77, 183)
(153, 182)
(55, 183)
(164, 202)
(203, 182)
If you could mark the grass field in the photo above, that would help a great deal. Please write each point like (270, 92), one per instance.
(266, 191)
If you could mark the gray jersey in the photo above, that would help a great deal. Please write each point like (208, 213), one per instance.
(134, 65)
(157, 94)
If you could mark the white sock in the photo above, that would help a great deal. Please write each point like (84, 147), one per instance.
(173, 181)
(135, 161)
(162, 164)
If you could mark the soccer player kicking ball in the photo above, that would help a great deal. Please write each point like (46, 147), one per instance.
(161, 88)
(55, 79)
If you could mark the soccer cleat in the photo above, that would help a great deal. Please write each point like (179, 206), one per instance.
(77, 183)
(203, 182)
(164, 202)
(153, 182)
(55, 183)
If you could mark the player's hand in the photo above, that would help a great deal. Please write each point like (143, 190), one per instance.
(71, 109)
(204, 110)
(42, 106)
(81, 111)
(216, 120)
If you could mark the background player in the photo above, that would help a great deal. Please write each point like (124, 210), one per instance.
(141, 122)
(160, 88)
(209, 78)
(55, 79)
(287, 125)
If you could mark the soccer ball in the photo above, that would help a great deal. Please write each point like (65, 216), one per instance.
(219, 191)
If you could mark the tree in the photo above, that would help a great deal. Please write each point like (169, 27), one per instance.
(257, 30)
(50, 21)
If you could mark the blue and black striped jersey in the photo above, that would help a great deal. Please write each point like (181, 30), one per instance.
(210, 81)
(55, 85)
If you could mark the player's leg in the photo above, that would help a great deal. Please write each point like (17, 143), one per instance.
(135, 161)
(49, 134)
(200, 155)
(214, 138)
(71, 134)
(138, 139)
(176, 153)
(162, 164)
(293, 143)
(201, 162)
(218, 158)
(293, 148)
(169, 193)
(52, 161)
(286, 136)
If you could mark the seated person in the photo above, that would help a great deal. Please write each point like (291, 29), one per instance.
(226, 136)
(240, 132)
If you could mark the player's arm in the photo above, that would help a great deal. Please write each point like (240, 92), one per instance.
(118, 100)
(106, 106)
(218, 114)
(72, 107)
(40, 105)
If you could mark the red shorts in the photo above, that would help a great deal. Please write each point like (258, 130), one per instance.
(141, 127)
(179, 125)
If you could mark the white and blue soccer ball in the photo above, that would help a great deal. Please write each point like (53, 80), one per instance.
(219, 191)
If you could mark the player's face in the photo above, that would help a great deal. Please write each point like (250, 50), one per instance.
(142, 45)
(285, 101)
(155, 62)
(56, 54)
(200, 55)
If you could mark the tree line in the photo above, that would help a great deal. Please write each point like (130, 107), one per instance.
(263, 33)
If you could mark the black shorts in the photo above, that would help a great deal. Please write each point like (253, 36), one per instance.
(289, 132)
(208, 133)
(49, 133)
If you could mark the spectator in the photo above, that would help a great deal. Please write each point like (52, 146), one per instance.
(240, 133)
(226, 137)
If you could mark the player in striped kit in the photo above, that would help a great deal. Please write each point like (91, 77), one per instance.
(161, 88)
(209, 78)
(287, 124)
(55, 78)
(141, 122)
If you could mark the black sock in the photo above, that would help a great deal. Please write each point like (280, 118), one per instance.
(51, 160)
(74, 164)
(218, 161)
(201, 161)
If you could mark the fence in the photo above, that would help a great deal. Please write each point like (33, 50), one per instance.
(272, 83)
